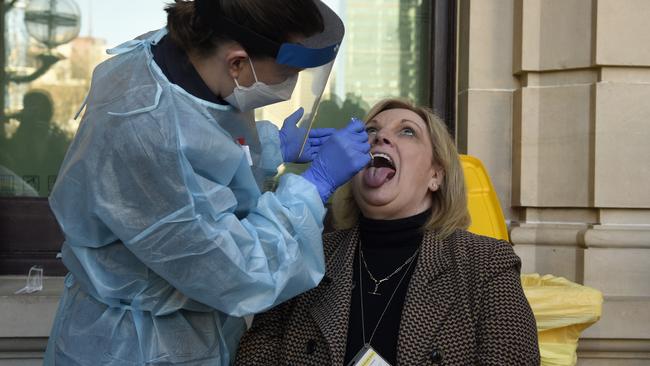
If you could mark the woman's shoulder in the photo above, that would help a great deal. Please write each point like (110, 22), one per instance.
(483, 252)
(464, 237)
(333, 239)
(335, 235)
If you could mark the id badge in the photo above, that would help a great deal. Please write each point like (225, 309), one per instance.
(247, 150)
(367, 356)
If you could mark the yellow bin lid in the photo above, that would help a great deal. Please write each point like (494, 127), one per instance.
(482, 200)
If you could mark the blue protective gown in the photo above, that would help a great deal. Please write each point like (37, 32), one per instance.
(168, 237)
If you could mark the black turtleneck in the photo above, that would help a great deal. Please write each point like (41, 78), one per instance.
(178, 69)
(386, 245)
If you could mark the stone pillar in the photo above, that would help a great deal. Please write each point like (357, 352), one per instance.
(554, 97)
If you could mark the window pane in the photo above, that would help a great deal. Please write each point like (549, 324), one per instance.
(51, 48)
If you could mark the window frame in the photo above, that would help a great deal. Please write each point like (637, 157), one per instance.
(443, 58)
(29, 235)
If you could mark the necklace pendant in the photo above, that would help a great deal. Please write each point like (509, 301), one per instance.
(374, 292)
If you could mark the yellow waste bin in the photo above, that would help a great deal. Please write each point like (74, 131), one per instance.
(562, 309)
(482, 201)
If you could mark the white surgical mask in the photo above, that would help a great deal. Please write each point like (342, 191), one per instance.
(260, 94)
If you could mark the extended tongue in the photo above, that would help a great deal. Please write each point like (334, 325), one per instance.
(375, 177)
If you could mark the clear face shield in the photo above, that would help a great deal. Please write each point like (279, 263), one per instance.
(314, 56)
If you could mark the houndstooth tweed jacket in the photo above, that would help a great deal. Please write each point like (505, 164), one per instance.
(464, 306)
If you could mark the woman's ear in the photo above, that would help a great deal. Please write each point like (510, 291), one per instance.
(436, 179)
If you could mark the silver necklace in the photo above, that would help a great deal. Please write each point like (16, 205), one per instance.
(363, 318)
(380, 281)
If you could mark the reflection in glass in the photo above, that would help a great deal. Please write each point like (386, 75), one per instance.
(385, 49)
(52, 22)
(46, 74)
(35, 150)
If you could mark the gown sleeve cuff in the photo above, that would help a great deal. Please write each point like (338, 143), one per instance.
(270, 141)
(293, 189)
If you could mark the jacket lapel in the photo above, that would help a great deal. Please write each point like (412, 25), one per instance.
(429, 299)
(331, 310)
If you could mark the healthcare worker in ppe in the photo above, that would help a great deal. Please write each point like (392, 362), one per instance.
(170, 238)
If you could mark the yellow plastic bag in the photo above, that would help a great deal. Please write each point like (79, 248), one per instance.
(562, 309)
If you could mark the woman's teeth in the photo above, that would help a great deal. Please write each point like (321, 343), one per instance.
(381, 160)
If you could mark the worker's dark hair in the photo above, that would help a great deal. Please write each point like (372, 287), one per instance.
(277, 20)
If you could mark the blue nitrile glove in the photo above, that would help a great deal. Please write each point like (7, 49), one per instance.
(291, 138)
(339, 159)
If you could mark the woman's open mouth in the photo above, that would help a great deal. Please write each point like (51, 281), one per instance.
(381, 170)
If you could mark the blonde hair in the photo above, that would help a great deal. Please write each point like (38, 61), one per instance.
(449, 203)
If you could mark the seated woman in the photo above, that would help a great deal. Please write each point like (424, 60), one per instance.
(405, 284)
